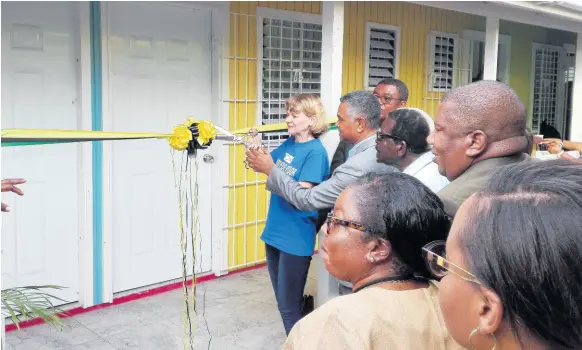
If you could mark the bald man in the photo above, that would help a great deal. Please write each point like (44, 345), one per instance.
(479, 127)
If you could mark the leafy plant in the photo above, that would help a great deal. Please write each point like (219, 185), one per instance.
(22, 303)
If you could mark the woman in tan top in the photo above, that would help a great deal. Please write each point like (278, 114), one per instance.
(374, 238)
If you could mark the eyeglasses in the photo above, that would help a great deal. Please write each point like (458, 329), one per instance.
(434, 254)
(332, 221)
(386, 100)
(381, 137)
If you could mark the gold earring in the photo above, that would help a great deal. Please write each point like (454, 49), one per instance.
(475, 331)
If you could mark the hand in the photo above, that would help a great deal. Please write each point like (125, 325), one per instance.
(259, 160)
(9, 185)
(566, 156)
(554, 145)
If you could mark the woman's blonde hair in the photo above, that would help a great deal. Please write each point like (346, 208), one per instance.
(311, 106)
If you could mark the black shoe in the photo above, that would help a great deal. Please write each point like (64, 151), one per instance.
(307, 305)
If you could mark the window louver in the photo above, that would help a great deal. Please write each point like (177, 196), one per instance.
(443, 62)
(381, 55)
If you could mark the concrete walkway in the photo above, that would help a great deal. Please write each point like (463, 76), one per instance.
(235, 312)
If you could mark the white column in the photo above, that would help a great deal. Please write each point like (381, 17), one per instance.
(491, 48)
(332, 48)
(576, 125)
(331, 90)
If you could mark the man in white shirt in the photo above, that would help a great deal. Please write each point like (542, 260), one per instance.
(402, 142)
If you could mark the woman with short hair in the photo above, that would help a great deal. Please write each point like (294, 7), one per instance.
(514, 257)
(374, 236)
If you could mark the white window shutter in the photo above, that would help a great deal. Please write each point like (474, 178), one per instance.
(381, 54)
(443, 48)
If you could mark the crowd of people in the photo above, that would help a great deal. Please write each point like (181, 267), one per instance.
(442, 234)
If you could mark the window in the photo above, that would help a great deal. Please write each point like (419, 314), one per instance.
(470, 57)
(291, 64)
(548, 95)
(382, 50)
(442, 61)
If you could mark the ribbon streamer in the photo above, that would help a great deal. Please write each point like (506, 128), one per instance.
(29, 137)
(26, 137)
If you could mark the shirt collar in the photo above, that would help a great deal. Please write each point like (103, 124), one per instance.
(420, 162)
(358, 146)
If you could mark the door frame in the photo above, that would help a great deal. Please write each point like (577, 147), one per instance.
(86, 276)
(219, 202)
(560, 95)
(504, 40)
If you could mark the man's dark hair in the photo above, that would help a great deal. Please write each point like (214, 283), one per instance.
(523, 241)
(402, 210)
(412, 128)
(400, 86)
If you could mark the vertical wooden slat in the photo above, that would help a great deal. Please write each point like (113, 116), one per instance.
(367, 12)
(352, 44)
(402, 17)
(373, 17)
(316, 7)
(422, 56)
(418, 64)
(347, 49)
(360, 47)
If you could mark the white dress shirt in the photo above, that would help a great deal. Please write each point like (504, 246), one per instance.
(427, 171)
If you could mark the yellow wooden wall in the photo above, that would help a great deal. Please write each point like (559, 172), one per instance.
(415, 22)
(247, 204)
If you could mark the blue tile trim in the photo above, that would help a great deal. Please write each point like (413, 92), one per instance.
(97, 124)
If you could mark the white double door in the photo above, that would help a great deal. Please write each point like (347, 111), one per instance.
(158, 71)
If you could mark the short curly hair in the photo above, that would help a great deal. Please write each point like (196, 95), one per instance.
(311, 106)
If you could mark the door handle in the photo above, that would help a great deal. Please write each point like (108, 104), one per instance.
(208, 158)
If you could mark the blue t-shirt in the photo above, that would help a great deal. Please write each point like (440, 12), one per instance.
(287, 228)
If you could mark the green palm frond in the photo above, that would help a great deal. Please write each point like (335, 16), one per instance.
(22, 303)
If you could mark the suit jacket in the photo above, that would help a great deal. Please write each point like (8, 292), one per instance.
(361, 160)
(339, 158)
(473, 180)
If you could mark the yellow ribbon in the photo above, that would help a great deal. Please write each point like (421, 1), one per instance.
(178, 139)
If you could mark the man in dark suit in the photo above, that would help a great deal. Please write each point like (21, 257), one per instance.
(479, 127)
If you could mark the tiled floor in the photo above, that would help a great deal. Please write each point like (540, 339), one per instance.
(235, 312)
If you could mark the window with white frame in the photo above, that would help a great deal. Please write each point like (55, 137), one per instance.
(548, 100)
(442, 61)
(382, 51)
(291, 64)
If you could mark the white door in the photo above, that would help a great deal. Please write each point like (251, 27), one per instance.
(159, 73)
(39, 91)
